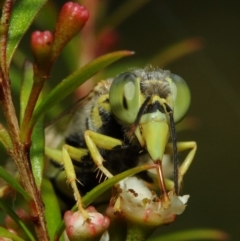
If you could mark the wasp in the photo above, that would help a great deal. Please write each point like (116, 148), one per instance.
(124, 122)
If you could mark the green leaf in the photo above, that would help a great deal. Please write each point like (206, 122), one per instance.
(52, 208)
(176, 51)
(4, 233)
(37, 152)
(101, 188)
(68, 85)
(22, 15)
(15, 217)
(5, 138)
(126, 9)
(13, 183)
(26, 86)
(191, 235)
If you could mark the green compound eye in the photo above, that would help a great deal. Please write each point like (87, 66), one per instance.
(182, 97)
(124, 97)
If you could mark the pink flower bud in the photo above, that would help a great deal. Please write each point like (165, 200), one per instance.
(71, 20)
(77, 228)
(41, 45)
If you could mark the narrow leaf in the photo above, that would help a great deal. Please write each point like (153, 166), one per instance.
(4, 233)
(37, 152)
(52, 208)
(13, 183)
(5, 138)
(126, 9)
(22, 15)
(15, 217)
(191, 235)
(26, 86)
(97, 191)
(177, 51)
(101, 188)
(68, 85)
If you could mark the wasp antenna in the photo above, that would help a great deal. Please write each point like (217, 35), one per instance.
(175, 151)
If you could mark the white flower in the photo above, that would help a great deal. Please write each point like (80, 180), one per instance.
(138, 204)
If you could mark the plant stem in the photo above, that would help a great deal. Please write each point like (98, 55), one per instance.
(7, 7)
(20, 154)
(39, 80)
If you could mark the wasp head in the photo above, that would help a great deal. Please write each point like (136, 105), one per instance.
(149, 102)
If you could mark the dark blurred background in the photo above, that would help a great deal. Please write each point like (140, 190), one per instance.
(213, 75)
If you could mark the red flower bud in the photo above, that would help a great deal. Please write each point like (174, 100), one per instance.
(41, 45)
(71, 20)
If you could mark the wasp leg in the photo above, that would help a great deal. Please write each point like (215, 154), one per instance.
(182, 146)
(94, 140)
(56, 155)
(72, 179)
